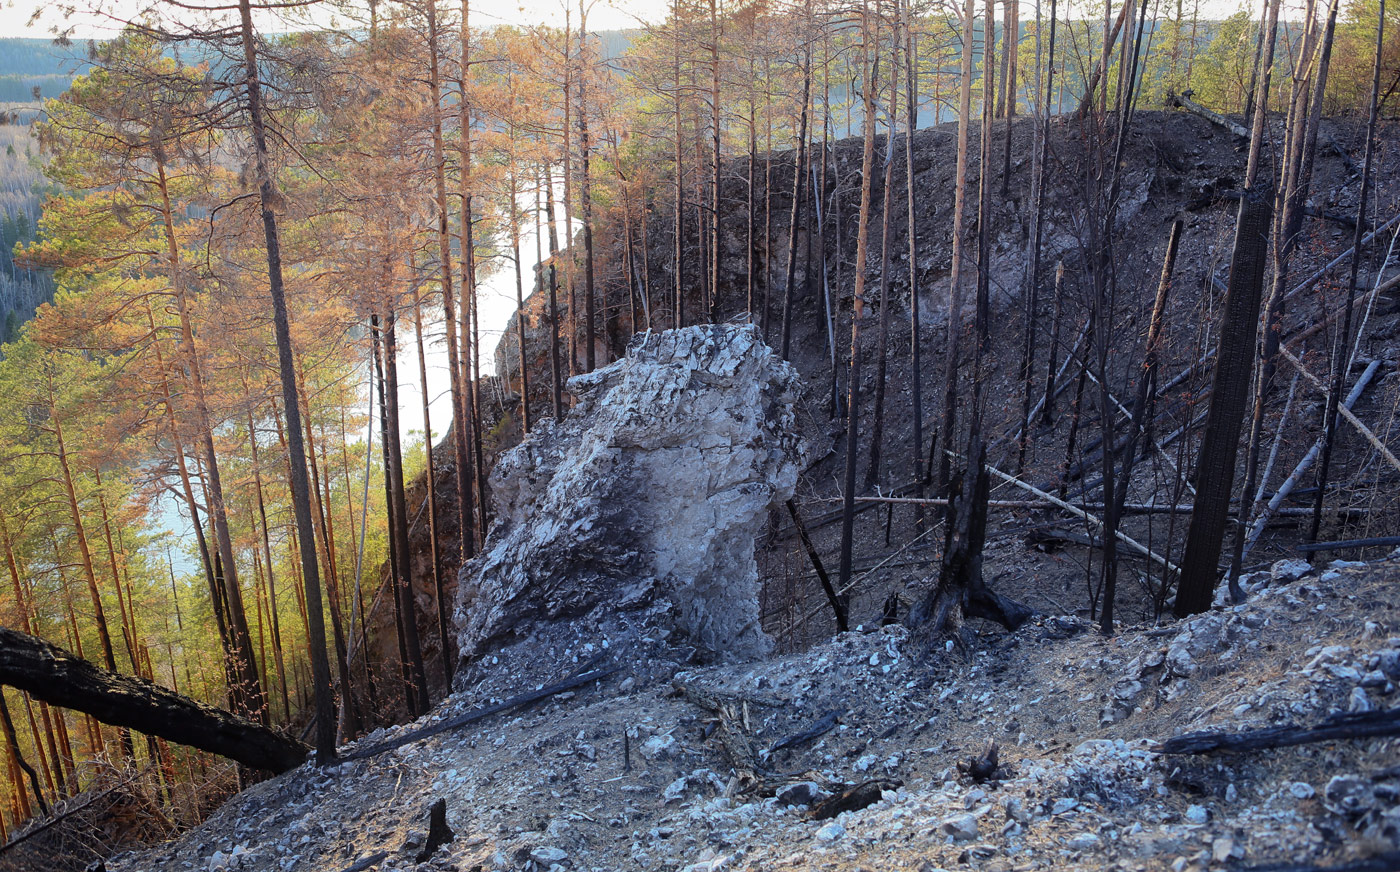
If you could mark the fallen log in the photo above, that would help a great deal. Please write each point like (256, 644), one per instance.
(1184, 101)
(1262, 520)
(1374, 542)
(1344, 410)
(1080, 513)
(863, 795)
(825, 724)
(59, 678)
(1386, 862)
(1359, 725)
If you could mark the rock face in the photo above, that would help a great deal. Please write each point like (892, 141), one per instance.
(649, 493)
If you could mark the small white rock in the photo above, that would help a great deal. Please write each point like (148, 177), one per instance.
(1359, 702)
(548, 854)
(831, 832)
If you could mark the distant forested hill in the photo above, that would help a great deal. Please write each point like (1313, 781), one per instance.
(26, 64)
(21, 290)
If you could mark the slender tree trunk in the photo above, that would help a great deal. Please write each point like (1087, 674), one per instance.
(916, 372)
(403, 581)
(557, 385)
(798, 171)
(400, 634)
(955, 299)
(469, 323)
(984, 178)
(750, 241)
(277, 651)
(460, 433)
(586, 183)
(1290, 198)
(320, 663)
(678, 233)
(1032, 291)
(869, 61)
(12, 744)
(882, 340)
(514, 192)
(430, 477)
(716, 129)
(1342, 360)
(349, 721)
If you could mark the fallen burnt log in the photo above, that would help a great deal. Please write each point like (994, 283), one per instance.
(1340, 544)
(1383, 862)
(1359, 725)
(59, 678)
(478, 714)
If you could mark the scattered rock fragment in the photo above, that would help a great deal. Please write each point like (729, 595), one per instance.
(548, 855)
(959, 827)
(831, 832)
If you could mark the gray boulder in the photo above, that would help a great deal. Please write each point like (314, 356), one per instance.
(646, 498)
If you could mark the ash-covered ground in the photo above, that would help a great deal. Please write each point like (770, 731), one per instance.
(632, 774)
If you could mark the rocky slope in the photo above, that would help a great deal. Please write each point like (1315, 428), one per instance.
(627, 774)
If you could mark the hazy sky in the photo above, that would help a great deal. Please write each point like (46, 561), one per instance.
(15, 14)
(604, 14)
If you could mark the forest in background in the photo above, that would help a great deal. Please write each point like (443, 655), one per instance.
(377, 176)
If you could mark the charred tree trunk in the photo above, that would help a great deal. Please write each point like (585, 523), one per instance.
(955, 299)
(916, 371)
(557, 385)
(799, 171)
(1215, 468)
(870, 61)
(403, 573)
(1342, 360)
(320, 662)
(882, 340)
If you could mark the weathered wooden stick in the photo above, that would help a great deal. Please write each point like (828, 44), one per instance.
(1332, 264)
(364, 863)
(59, 678)
(1356, 422)
(1298, 471)
(1080, 513)
(1156, 445)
